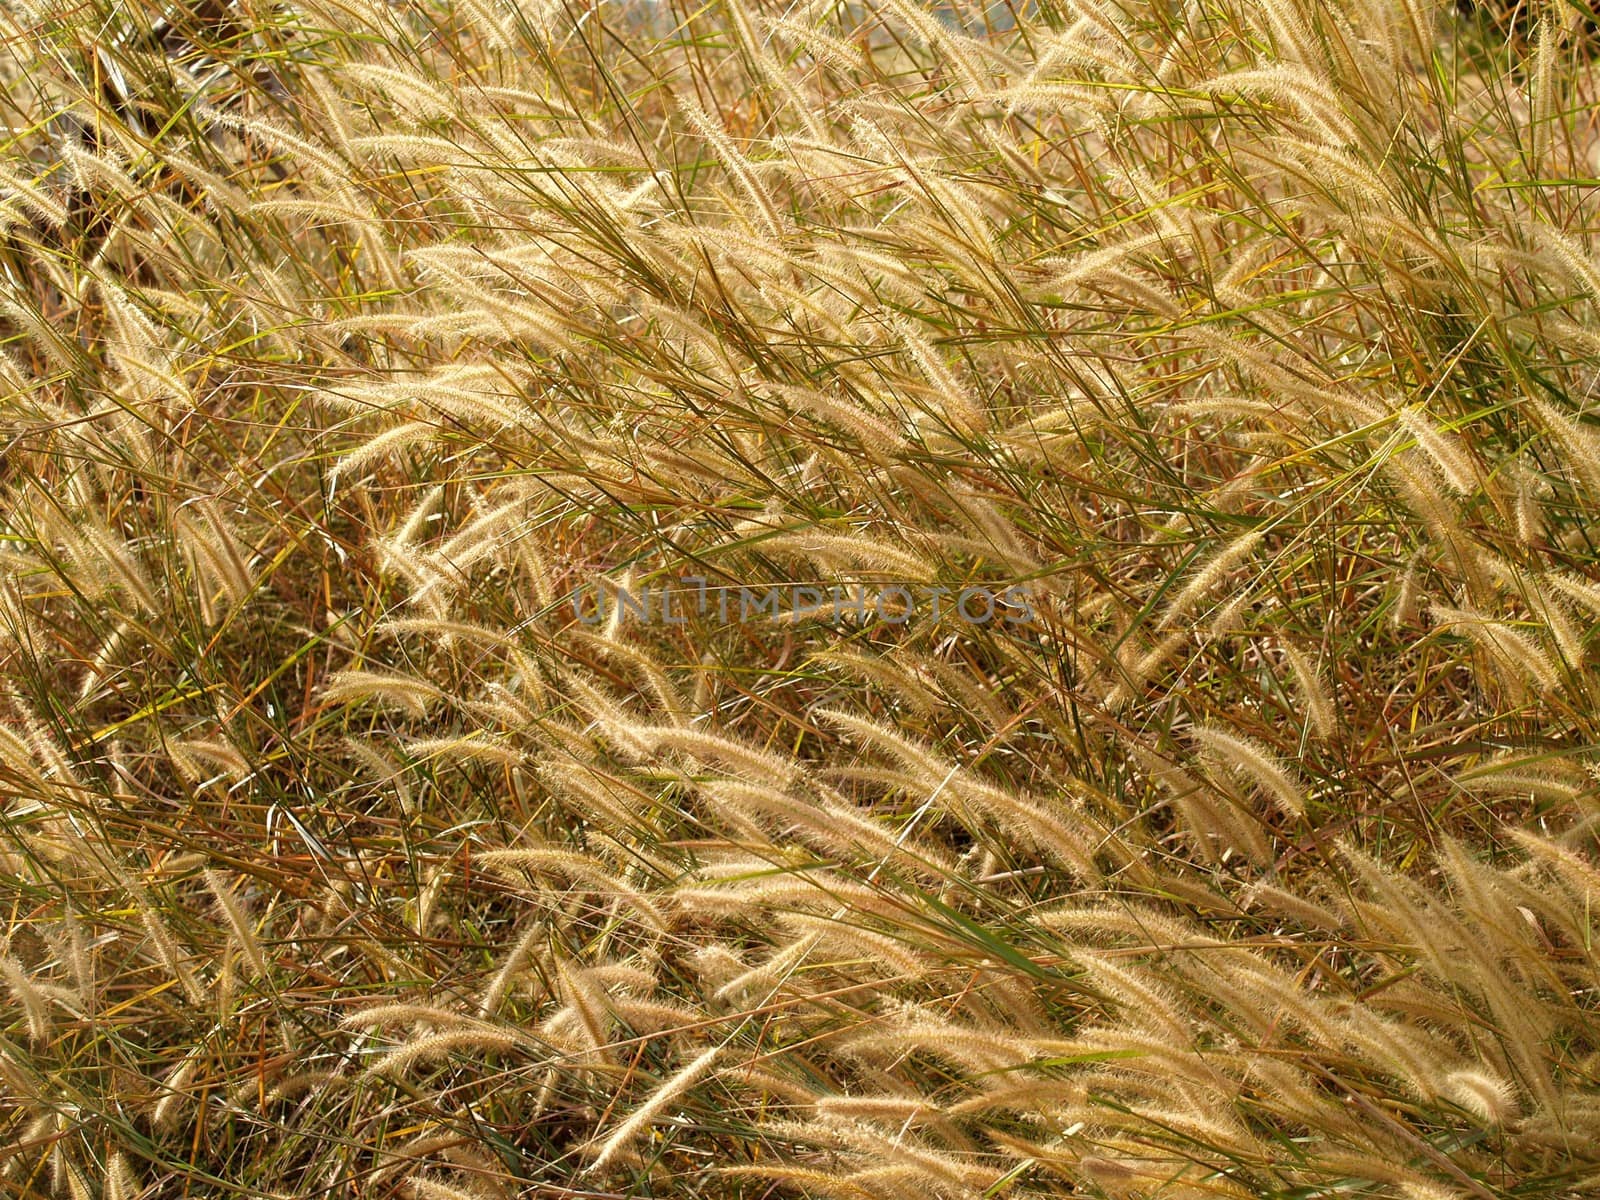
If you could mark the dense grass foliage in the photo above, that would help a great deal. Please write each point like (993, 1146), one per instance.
(1250, 348)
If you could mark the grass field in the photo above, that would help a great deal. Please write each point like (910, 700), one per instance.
(1188, 411)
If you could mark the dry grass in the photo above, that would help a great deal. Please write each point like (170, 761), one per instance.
(1255, 343)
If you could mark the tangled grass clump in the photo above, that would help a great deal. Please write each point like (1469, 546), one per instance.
(1248, 348)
